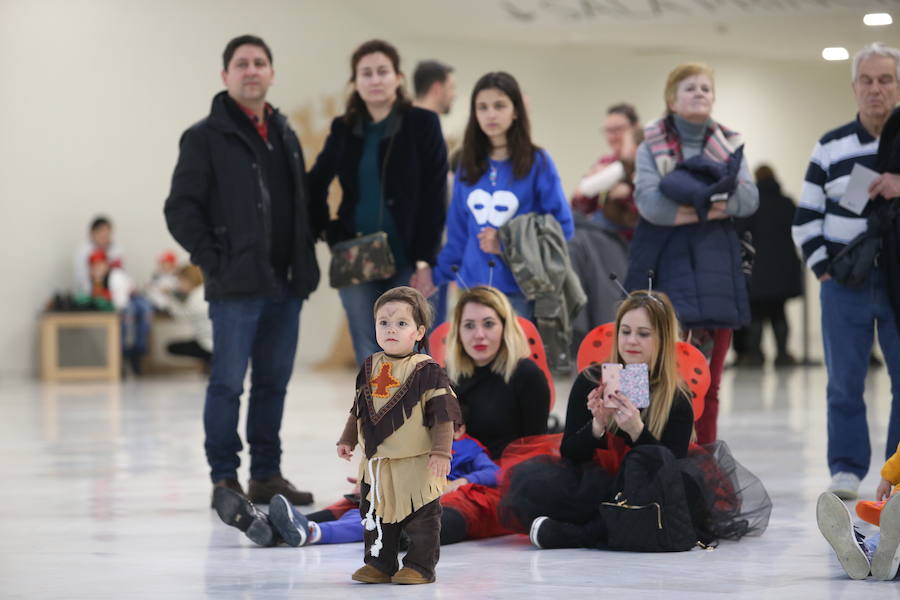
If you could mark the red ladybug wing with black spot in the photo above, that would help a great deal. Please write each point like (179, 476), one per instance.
(694, 369)
(596, 347)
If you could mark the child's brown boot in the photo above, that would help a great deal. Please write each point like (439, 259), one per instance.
(369, 574)
(407, 576)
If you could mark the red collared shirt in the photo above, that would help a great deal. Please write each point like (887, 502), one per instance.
(262, 127)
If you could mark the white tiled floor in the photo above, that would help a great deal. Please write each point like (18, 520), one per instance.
(106, 496)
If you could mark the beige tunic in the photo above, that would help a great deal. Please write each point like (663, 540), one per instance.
(403, 483)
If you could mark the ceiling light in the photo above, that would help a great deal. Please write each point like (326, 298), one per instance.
(875, 19)
(835, 54)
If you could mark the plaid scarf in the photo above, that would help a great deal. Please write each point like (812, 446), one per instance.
(661, 136)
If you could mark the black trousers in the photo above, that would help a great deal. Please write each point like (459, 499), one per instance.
(190, 348)
(772, 311)
(592, 534)
(453, 526)
(423, 527)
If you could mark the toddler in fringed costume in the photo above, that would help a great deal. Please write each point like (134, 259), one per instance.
(402, 416)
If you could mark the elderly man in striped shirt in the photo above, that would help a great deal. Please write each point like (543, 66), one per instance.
(825, 222)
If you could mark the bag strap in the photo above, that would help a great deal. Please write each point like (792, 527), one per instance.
(387, 156)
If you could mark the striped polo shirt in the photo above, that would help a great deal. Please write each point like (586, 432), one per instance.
(822, 226)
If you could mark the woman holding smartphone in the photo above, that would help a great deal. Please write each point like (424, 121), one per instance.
(646, 332)
(557, 500)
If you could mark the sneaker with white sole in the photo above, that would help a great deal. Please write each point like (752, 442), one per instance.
(547, 534)
(844, 485)
(836, 525)
(886, 559)
(291, 525)
(533, 532)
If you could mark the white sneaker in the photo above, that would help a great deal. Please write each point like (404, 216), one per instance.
(844, 485)
(836, 525)
(886, 559)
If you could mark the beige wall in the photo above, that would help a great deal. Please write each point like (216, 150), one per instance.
(96, 94)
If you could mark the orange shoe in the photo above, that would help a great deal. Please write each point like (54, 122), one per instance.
(870, 511)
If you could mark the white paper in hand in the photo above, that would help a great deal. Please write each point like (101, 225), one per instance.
(856, 196)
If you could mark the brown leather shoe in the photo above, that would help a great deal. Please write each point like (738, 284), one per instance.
(369, 574)
(261, 492)
(407, 576)
(231, 484)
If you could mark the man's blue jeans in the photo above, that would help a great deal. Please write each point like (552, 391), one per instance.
(849, 319)
(262, 332)
(358, 301)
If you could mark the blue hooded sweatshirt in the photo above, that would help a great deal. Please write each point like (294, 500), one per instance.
(492, 201)
(470, 460)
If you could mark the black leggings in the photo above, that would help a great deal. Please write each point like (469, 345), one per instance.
(453, 526)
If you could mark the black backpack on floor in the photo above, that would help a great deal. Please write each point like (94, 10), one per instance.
(650, 513)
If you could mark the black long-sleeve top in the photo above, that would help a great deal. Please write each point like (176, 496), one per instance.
(579, 443)
(500, 412)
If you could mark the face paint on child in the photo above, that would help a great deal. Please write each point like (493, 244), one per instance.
(396, 330)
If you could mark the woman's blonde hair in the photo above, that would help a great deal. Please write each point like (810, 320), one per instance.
(679, 74)
(513, 346)
(665, 381)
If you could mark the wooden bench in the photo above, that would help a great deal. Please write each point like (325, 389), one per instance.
(158, 361)
(80, 346)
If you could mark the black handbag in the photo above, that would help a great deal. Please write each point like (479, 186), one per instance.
(651, 513)
(855, 261)
(361, 259)
(851, 266)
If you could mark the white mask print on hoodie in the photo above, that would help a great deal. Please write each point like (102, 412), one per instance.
(492, 209)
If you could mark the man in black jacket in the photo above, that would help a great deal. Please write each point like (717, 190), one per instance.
(239, 205)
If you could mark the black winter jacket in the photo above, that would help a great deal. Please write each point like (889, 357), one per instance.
(889, 162)
(219, 208)
(413, 158)
(777, 272)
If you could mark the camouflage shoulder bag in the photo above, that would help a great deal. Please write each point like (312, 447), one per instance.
(366, 257)
(361, 259)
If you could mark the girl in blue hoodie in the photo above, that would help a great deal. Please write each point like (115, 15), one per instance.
(502, 174)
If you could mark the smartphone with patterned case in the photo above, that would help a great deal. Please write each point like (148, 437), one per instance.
(634, 382)
(609, 375)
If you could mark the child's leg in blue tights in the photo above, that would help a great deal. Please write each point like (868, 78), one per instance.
(346, 529)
